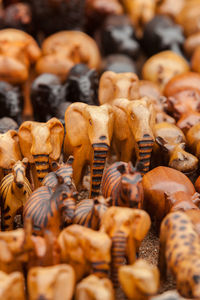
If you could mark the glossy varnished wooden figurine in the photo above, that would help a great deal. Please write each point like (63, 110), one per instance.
(127, 228)
(41, 143)
(140, 280)
(88, 137)
(12, 286)
(94, 288)
(54, 282)
(15, 189)
(193, 139)
(122, 183)
(86, 250)
(133, 130)
(170, 8)
(169, 149)
(161, 67)
(179, 253)
(62, 50)
(159, 181)
(118, 85)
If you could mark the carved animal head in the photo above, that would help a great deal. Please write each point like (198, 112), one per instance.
(118, 85)
(181, 201)
(19, 172)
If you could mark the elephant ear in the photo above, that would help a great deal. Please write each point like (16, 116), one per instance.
(25, 140)
(56, 136)
(75, 123)
(106, 87)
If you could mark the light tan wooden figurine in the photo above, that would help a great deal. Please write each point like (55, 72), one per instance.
(52, 283)
(133, 130)
(88, 137)
(193, 139)
(140, 280)
(86, 250)
(41, 143)
(94, 288)
(62, 50)
(12, 286)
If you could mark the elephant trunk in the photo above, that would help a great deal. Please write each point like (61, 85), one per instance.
(41, 165)
(118, 254)
(145, 147)
(100, 268)
(98, 164)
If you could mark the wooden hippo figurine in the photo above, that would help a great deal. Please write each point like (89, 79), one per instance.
(122, 183)
(15, 189)
(140, 280)
(160, 181)
(133, 130)
(172, 143)
(179, 253)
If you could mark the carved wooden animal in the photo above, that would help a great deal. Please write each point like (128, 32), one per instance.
(140, 280)
(170, 8)
(62, 50)
(169, 295)
(52, 283)
(88, 137)
(86, 250)
(133, 130)
(89, 212)
(179, 253)
(193, 139)
(169, 149)
(160, 181)
(122, 183)
(15, 189)
(161, 67)
(12, 286)
(117, 85)
(94, 288)
(127, 228)
(50, 208)
(181, 201)
(194, 215)
(41, 143)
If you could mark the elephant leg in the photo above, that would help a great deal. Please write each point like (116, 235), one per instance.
(78, 165)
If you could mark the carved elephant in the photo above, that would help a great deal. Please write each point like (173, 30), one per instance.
(94, 288)
(62, 50)
(118, 85)
(133, 130)
(41, 143)
(140, 280)
(10, 151)
(52, 283)
(86, 250)
(127, 227)
(88, 137)
(12, 286)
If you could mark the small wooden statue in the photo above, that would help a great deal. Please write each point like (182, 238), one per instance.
(52, 283)
(41, 143)
(169, 295)
(12, 286)
(118, 85)
(62, 50)
(94, 288)
(179, 253)
(140, 280)
(193, 139)
(86, 250)
(127, 227)
(88, 138)
(122, 183)
(15, 189)
(170, 8)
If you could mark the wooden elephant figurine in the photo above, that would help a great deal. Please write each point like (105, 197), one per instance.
(10, 151)
(62, 50)
(179, 253)
(94, 288)
(12, 286)
(140, 280)
(127, 227)
(52, 283)
(88, 137)
(133, 130)
(118, 85)
(15, 189)
(123, 184)
(193, 139)
(41, 143)
(86, 250)
(169, 149)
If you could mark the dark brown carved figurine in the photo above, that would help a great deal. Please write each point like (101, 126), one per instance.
(122, 183)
